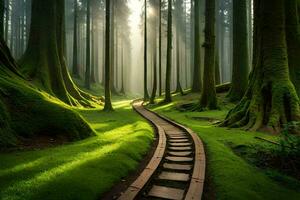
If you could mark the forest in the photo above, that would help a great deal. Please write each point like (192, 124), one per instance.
(149, 99)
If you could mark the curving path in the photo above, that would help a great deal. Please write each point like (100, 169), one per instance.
(177, 168)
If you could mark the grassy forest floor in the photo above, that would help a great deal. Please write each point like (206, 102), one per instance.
(237, 164)
(236, 167)
(84, 169)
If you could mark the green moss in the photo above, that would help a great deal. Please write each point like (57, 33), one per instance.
(232, 177)
(80, 170)
(27, 112)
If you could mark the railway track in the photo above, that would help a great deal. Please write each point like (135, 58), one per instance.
(177, 168)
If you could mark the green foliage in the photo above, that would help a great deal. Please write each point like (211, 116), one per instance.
(289, 143)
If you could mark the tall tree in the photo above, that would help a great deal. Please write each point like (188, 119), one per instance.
(112, 49)
(122, 91)
(168, 97)
(271, 99)
(208, 96)
(75, 41)
(179, 24)
(2, 8)
(240, 56)
(108, 104)
(7, 16)
(293, 41)
(197, 82)
(154, 46)
(44, 59)
(88, 45)
(160, 49)
(146, 94)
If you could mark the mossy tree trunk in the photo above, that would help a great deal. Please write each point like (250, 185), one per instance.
(75, 41)
(21, 118)
(108, 104)
(240, 68)
(209, 97)
(44, 59)
(293, 42)
(197, 79)
(146, 94)
(88, 46)
(168, 97)
(270, 100)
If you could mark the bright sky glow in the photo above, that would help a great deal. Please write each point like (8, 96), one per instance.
(136, 11)
(136, 8)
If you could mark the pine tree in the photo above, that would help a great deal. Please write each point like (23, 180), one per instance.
(208, 96)
(240, 69)
(108, 104)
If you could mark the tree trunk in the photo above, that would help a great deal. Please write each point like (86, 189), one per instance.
(122, 91)
(159, 49)
(108, 104)
(44, 59)
(293, 42)
(2, 8)
(271, 99)
(178, 84)
(75, 41)
(208, 96)
(197, 82)
(93, 66)
(112, 49)
(88, 46)
(7, 16)
(103, 50)
(146, 94)
(154, 88)
(168, 97)
(240, 69)
(217, 68)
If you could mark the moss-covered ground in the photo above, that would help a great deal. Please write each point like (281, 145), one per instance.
(79, 170)
(230, 172)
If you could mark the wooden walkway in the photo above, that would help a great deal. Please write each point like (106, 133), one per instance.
(177, 168)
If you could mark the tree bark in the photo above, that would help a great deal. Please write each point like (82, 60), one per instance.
(154, 88)
(293, 42)
(208, 96)
(75, 41)
(271, 99)
(160, 49)
(2, 9)
(44, 59)
(197, 82)
(108, 104)
(240, 56)
(88, 46)
(168, 97)
(146, 94)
